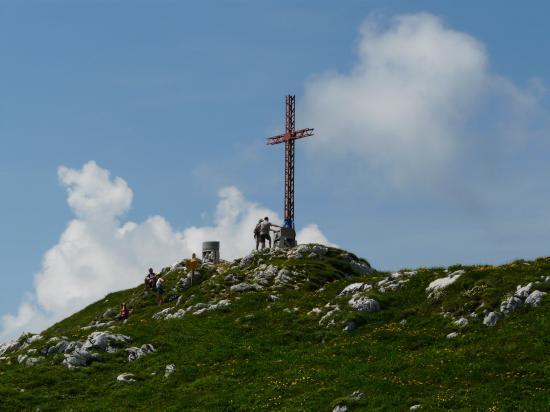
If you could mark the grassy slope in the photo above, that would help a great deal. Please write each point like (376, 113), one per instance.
(251, 357)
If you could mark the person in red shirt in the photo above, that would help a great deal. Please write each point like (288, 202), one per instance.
(124, 312)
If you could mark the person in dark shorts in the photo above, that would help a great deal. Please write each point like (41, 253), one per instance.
(257, 234)
(150, 279)
(265, 228)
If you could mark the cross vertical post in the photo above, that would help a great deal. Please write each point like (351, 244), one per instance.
(289, 138)
(289, 162)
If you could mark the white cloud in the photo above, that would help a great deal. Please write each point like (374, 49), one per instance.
(411, 97)
(98, 253)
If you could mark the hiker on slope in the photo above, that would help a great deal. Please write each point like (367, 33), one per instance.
(150, 280)
(257, 234)
(160, 290)
(124, 312)
(265, 228)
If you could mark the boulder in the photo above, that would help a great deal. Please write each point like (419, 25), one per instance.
(170, 369)
(452, 335)
(10, 347)
(125, 377)
(73, 346)
(361, 268)
(350, 327)
(415, 407)
(136, 353)
(510, 304)
(33, 361)
(110, 313)
(462, 322)
(534, 298)
(245, 287)
(189, 280)
(364, 304)
(59, 347)
(79, 358)
(435, 287)
(340, 408)
(492, 318)
(354, 288)
(102, 340)
(284, 277)
(163, 313)
(523, 291)
(247, 260)
(326, 317)
(231, 278)
(33, 338)
(265, 274)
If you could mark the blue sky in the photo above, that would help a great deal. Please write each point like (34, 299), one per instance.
(176, 98)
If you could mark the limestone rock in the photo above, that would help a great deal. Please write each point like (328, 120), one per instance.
(350, 327)
(462, 322)
(125, 377)
(510, 304)
(492, 318)
(245, 287)
(79, 358)
(189, 280)
(102, 340)
(435, 287)
(170, 369)
(9, 347)
(109, 313)
(265, 274)
(534, 298)
(136, 353)
(364, 304)
(231, 278)
(523, 291)
(33, 361)
(354, 288)
(452, 335)
(361, 268)
(333, 309)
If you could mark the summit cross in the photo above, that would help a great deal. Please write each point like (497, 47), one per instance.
(289, 138)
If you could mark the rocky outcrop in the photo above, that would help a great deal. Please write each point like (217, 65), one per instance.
(364, 304)
(125, 377)
(245, 287)
(105, 341)
(170, 369)
(136, 353)
(491, 318)
(79, 358)
(355, 288)
(197, 309)
(435, 288)
(534, 298)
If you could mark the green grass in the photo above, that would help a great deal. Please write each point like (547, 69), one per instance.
(254, 355)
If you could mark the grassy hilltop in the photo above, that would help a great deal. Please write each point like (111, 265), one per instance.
(275, 331)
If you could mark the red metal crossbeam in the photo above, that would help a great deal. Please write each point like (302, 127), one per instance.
(298, 134)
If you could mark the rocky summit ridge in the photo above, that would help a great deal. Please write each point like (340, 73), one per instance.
(309, 328)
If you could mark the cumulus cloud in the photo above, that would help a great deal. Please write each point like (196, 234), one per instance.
(408, 103)
(98, 253)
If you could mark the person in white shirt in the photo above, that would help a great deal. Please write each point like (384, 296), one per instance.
(265, 228)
